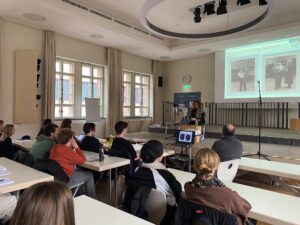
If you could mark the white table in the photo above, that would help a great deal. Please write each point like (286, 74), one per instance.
(90, 212)
(23, 176)
(109, 164)
(272, 168)
(24, 144)
(267, 206)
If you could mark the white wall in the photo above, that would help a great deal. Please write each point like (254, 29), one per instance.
(202, 71)
(15, 37)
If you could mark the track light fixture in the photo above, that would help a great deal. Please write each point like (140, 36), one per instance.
(263, 2)
(197, 15)
(222, 9)
(209, 8)
(243, 2)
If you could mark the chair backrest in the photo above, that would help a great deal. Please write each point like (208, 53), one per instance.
(156, 206)
(190, 213)
(51, 167)
(227, 170)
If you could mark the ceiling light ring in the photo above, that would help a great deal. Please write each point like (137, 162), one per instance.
(149, 4)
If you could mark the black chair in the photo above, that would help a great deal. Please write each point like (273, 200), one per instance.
(190, 213)
(24, 158)
(51, 167)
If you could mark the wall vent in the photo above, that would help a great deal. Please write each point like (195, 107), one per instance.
(140, 30)
(97, 13)
(122, 23)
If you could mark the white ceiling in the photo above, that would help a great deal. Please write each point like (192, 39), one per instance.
(172, 15)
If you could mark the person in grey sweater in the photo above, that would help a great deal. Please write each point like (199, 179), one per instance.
(228, 147)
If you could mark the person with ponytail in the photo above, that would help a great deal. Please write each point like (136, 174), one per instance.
(207, 190)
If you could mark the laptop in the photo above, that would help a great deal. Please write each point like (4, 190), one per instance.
(80, 137)
(185, 137)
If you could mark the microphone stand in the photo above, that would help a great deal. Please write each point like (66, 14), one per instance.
(259, 154)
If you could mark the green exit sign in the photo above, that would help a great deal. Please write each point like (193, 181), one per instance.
(186, 86)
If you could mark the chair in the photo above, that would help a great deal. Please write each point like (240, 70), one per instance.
(51, 167)
(190, 213)
(156, 206)
(227, 170)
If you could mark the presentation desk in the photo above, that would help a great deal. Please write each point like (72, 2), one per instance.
(91, 212)
(23, 176)
(267, 206)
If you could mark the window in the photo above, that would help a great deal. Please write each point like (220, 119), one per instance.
(91, 85)
(136, 94)
(74, 82)
(64, 89)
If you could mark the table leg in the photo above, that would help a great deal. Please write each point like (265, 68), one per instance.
(110, 191)
(116, 187)
(190, 158)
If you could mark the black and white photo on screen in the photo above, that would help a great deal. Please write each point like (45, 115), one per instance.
(243, 75)
(280, 73)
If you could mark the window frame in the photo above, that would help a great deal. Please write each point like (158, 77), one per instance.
(61, 74)
(133, 85)
(92, 77)
(77, 88)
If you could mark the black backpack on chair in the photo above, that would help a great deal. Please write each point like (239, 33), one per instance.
(190, 213)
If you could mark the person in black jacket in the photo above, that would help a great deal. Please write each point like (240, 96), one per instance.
(89, 142)
(6, 147)
(123, 148)
(120, 146)
(154, 174)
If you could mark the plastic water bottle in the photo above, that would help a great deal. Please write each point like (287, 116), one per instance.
(101, 154)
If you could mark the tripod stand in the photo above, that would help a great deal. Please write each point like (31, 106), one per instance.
(259, 154)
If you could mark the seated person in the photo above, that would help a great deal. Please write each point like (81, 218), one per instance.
(1, 127)
(45, 123)
(6, 146)
(154, 174)
(89, 142)
(48, 203)
(207, 190)
(67, 154)
(228, 147)
(123, 148)
(120, 146)
(66, 123)
(7, 206)
(44, 142)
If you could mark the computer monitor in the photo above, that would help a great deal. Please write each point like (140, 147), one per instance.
(185, 137)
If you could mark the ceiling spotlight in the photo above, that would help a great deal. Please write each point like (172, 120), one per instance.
(222, 9)
(263, 2)
(209, 8)
(243, 2)
(197, 15)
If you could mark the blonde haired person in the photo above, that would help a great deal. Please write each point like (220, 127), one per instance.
(6, 147)
(207, 190)
(48, 203)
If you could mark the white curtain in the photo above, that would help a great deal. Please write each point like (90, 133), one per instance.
(49, 79)
(157, 102)
(114, 62)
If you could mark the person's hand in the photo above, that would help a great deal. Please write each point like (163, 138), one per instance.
(74, 143)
